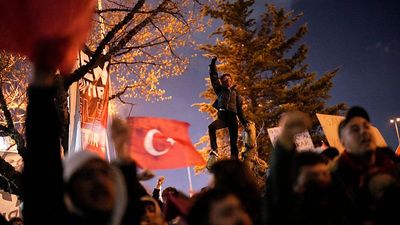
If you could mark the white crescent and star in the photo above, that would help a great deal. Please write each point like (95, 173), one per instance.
(148, 143)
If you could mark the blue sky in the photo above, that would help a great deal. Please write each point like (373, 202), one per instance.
(360, 37)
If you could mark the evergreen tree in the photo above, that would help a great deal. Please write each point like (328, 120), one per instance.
(268, 66)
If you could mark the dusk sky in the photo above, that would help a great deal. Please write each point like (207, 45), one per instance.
(362, 37)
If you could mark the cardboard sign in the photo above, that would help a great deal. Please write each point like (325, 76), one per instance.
(303, 140)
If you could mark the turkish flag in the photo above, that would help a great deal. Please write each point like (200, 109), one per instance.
(158, 143)
(49, 32)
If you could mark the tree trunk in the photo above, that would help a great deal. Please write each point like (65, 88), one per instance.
(63, 113)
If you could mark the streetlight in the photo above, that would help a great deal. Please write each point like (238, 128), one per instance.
(397, 129)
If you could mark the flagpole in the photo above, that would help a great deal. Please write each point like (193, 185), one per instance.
(190, 181)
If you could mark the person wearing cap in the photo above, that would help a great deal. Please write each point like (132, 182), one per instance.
(361, 158)
(229, 105)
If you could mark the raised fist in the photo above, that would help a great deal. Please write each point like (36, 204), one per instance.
(213, 60)
(293, 123)
(160, 181)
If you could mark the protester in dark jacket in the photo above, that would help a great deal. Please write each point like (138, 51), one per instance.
(42, 178)
(299, 187)
(229, 105)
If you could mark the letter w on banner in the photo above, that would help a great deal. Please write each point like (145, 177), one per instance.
(158, 143)
(93, 90)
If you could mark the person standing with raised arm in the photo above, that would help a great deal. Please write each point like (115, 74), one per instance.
(229, 105)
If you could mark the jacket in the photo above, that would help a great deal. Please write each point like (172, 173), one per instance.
(227, 98)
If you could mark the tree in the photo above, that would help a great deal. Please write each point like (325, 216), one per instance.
(267, 61)
(141, 40)
(13, 76)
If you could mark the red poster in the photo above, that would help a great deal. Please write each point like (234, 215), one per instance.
(94, 91)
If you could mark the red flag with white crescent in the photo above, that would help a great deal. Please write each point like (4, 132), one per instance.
(158, 143)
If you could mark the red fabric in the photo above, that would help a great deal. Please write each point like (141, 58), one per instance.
(95, 149)
(398, 151)
(94, 111)
(180, 154)
(49, 32)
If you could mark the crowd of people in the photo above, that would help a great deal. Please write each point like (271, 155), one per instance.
(359, 186)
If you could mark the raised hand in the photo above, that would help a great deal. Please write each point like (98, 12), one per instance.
(160, 181)
(293, 123)
(213, 60)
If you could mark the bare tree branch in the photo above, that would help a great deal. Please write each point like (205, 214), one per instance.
(109, 10)
(136, 29)
(124, 102)
(14, 134)
(166, 39)
(120, 93)
(145, 45)
(112, 10)
(95, 59)
(12, 178)
(116, 62)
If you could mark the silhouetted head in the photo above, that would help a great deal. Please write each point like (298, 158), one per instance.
(218, 207)
(310, 169)
(168, 191)
(226, 80)
(234, 175)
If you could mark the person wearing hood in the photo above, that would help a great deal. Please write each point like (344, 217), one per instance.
(87, 190)
(229, 105)
(95, 190)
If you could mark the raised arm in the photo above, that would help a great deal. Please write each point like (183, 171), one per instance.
(279, 184)
(42, 175)
(216, 84)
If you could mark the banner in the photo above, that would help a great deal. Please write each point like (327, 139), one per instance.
(303, 140)
(94, 92)
(330, 125)
(158, 143)
(9, 204)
